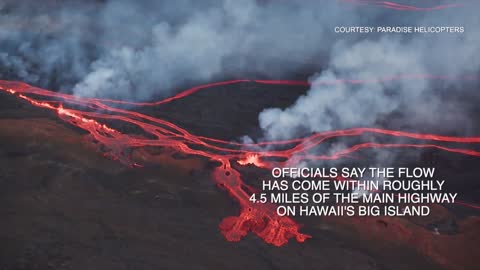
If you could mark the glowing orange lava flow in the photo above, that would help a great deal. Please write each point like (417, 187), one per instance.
(398, 6)
(260, 219)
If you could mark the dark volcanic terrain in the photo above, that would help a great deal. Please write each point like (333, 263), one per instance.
(64, 206)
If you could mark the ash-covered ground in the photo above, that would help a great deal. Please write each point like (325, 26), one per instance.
(64, 206)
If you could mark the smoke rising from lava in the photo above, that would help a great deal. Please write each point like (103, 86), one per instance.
(136, 50)
(139, 50)
(417, 101)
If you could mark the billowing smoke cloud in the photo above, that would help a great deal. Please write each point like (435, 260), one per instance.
(408, 103)
(138, 50)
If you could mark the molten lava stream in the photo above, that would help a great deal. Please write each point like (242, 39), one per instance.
(260, 219)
